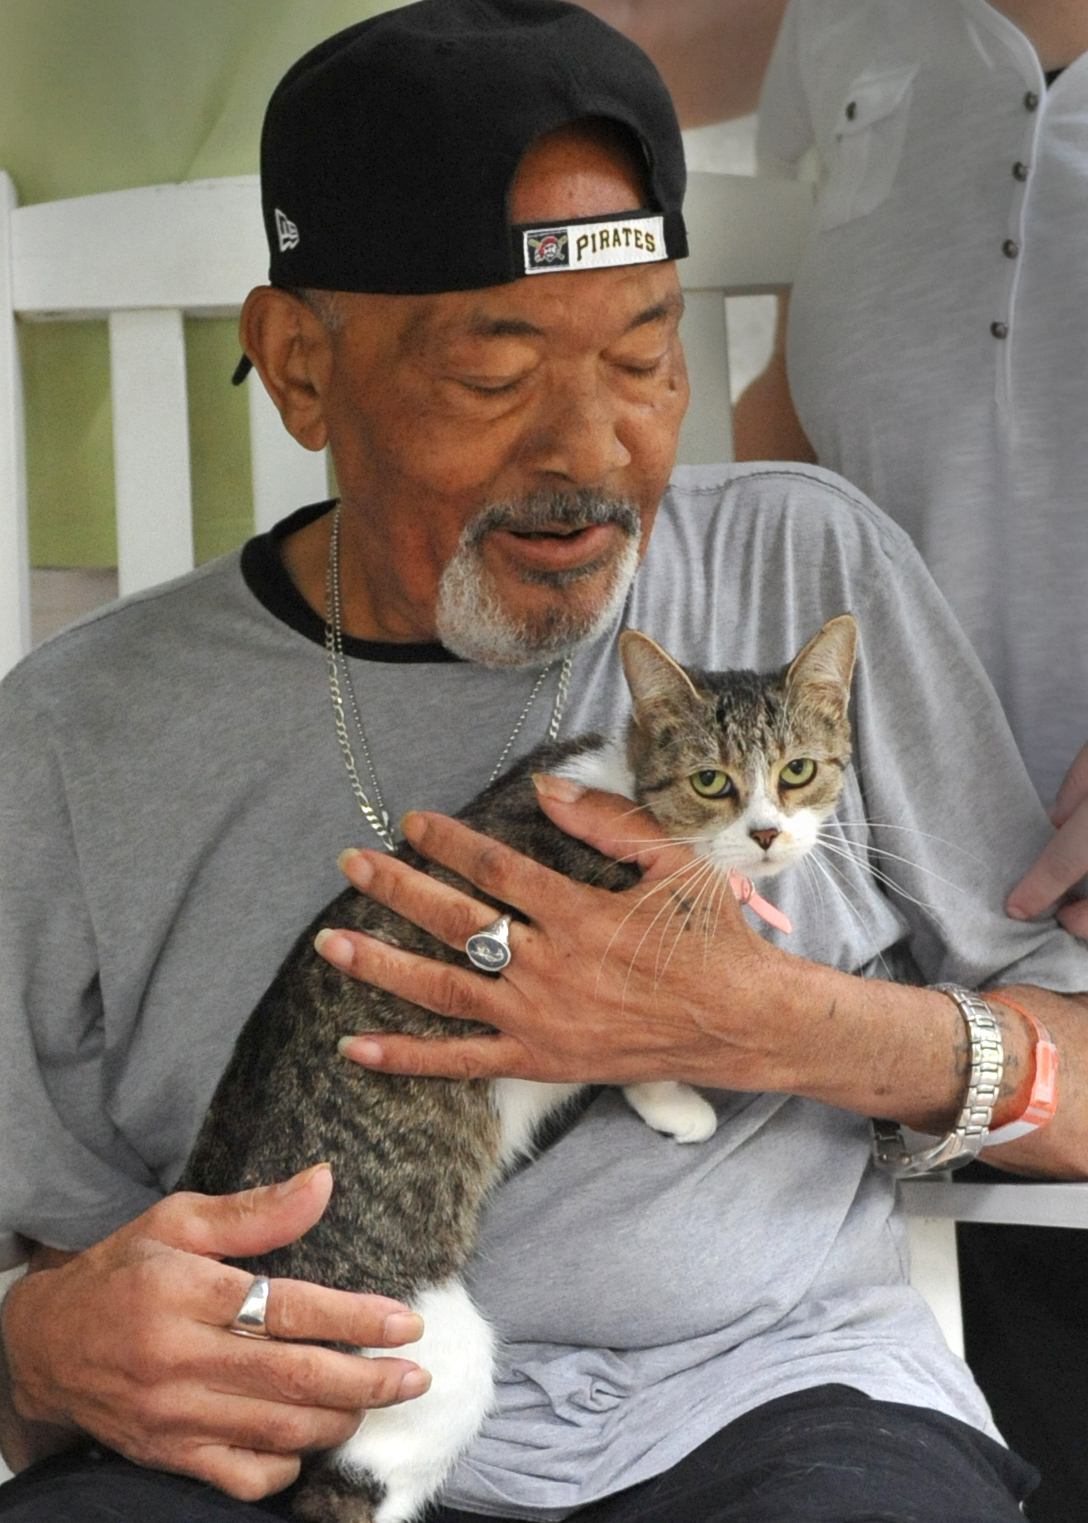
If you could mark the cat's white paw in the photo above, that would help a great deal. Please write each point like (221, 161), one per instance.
(675, 1109)
(412, 1447)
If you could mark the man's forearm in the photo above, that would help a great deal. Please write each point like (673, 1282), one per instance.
(1060, 1149)
(743, 1015)
(893, 1050)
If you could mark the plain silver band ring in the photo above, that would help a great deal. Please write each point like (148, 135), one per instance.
(489, 949)
(249, 1323)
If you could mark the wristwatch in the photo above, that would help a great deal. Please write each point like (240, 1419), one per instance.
(890, 1150)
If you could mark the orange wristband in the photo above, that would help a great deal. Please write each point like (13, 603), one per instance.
(1044, 1089)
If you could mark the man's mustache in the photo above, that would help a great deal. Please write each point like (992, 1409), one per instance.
(537, 511)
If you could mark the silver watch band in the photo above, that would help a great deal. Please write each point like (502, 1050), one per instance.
(968, 1136)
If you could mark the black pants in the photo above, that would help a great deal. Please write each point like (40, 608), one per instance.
(828, 1455)
(1025, 1321)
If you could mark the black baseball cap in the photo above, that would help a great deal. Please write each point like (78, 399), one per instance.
(388, 151)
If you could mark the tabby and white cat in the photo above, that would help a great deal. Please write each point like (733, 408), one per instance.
(745, 767)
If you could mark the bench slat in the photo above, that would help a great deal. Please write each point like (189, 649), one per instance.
(198, 246)
(285, 476)
(150, 448)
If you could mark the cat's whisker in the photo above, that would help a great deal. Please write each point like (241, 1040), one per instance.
(690, 869)
(841, 889)
(689, 841)
(717, 900)
(662, 884)
(816, 876)
(858, 852)
(705, 889)
(710, 917)
(889, 883)
(654, 888)
(926, 835)
(838, 883)
(638, 841)
(861, 859)
(720, 889)
(884, 879)
(662, 909)
(866, 822)
(693, 865)
(813, 881)
(705, 884)
(845, 845)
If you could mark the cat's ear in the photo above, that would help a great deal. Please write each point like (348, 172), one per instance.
(824, 668)
(652, 676)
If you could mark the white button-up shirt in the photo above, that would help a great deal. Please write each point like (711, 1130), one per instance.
(938, 335)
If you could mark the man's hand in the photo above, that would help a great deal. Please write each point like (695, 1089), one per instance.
(128, 1341)
(1064, 860)
(663, 981)
(667, 981)
(602, 987)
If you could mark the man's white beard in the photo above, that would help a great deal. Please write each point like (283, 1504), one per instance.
(473, 623)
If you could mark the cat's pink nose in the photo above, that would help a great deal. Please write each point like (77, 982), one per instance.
(765, 838)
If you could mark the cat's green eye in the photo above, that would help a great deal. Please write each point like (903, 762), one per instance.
(712, 783)
(796, 774)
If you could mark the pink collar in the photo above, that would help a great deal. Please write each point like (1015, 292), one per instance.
(746, 893)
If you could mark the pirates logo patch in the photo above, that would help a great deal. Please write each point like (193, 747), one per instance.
(547, 249)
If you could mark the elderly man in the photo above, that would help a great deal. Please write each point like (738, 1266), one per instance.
(473, 209)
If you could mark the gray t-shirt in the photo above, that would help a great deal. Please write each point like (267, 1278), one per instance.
(946, 208)
(173, 802)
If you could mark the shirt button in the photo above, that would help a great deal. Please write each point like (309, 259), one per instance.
(1019, 171)
(1031, 101)
(999, 330)
(1010, 248)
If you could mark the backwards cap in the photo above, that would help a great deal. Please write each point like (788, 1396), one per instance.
(388, 151)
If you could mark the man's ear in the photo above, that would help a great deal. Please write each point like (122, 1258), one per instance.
(290, 349)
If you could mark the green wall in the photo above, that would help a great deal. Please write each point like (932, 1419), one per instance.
(99, 95)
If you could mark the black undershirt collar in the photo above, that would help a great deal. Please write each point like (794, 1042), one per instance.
(266, 577)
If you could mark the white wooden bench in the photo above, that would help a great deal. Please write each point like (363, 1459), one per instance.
(144, 260)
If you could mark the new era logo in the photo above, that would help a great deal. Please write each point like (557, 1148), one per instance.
(286, 231)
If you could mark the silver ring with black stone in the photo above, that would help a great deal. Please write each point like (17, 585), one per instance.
(489, 949)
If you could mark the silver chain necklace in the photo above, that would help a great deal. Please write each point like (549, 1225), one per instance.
(376, 814)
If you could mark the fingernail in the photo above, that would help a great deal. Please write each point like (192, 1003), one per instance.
(361, 871)
(410, 823)
(334, 948)
(359, 1050)
(300, 1181)
(403, 1327)
(415, 1383)
(1014, 912)
(563, 789)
